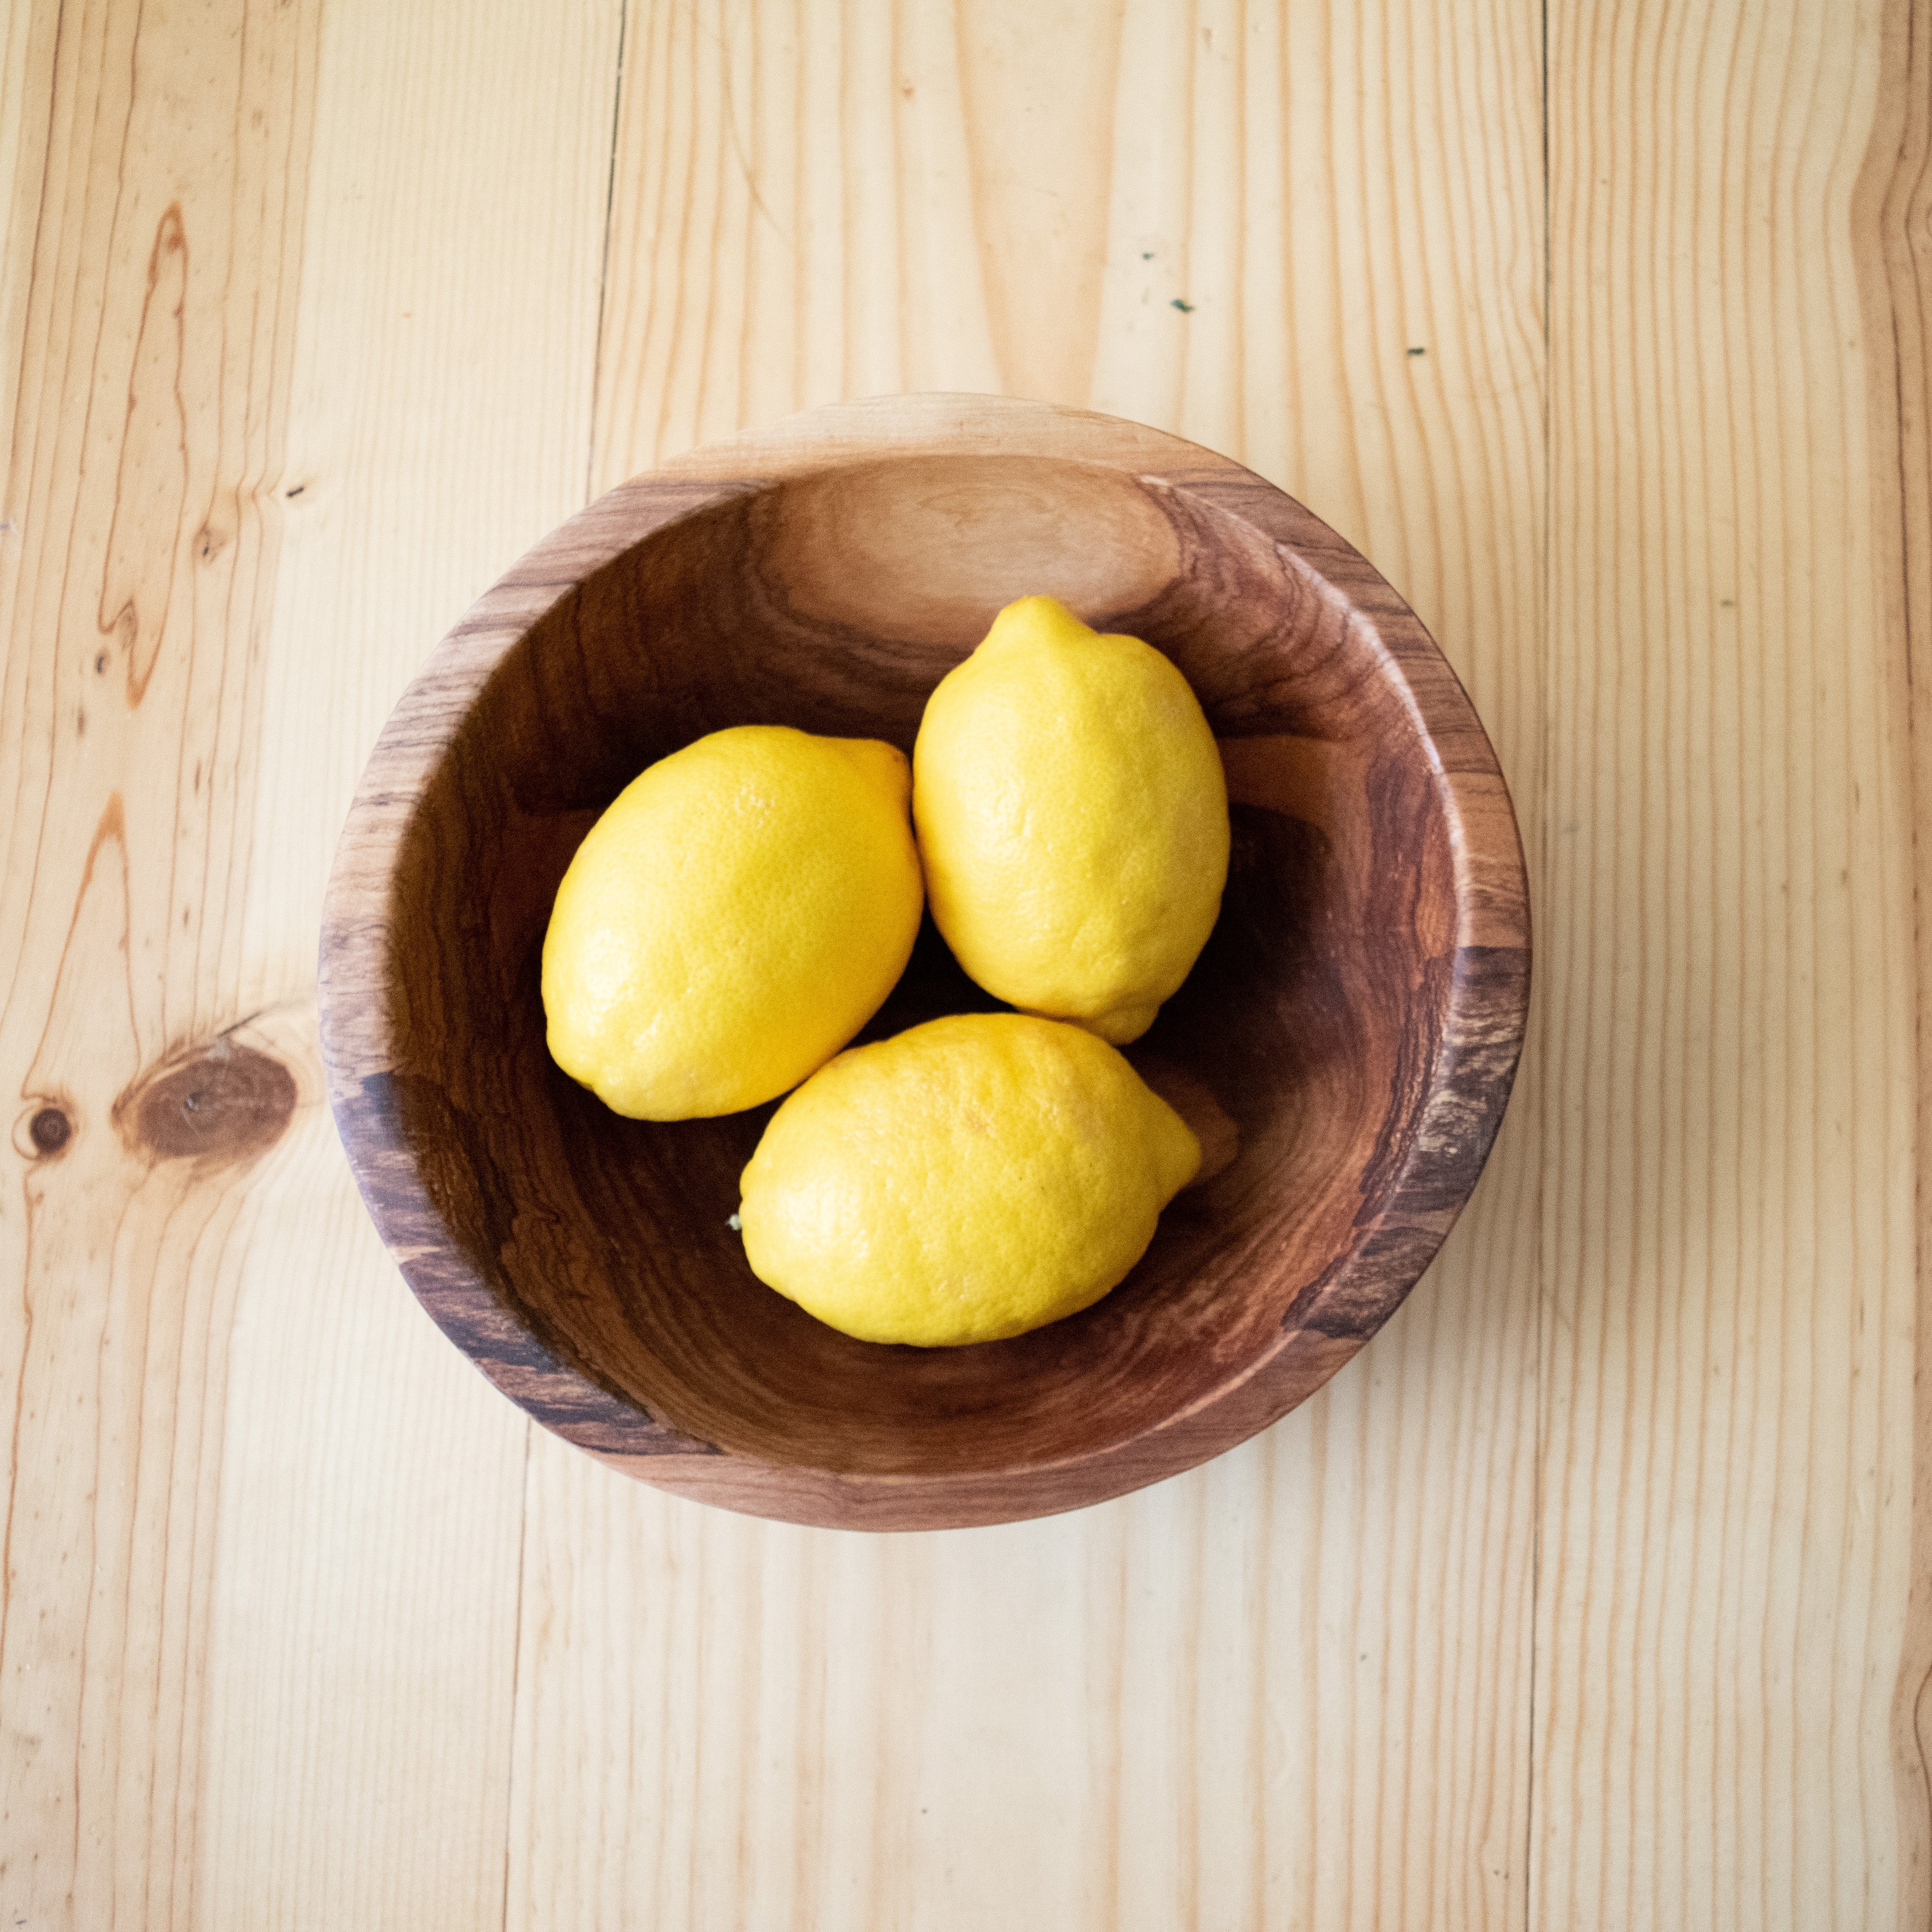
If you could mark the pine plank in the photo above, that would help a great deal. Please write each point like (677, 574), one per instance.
(1892, 221)
(1727, 959)
(1292, 1687)
(262, 1531)
(151, 285)
(365, 1604)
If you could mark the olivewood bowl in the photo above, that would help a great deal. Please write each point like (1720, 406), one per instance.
(1347, 1039)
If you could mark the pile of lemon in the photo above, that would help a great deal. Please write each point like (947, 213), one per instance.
(746, 905)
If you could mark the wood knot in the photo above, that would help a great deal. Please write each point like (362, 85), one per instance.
(49, 1130)
(225, 1103)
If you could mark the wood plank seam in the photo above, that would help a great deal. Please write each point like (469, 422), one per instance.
(1894, 209)
(604, 262)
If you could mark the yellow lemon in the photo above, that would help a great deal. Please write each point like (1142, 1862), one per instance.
(734, 919)
(1072, 820)
(972, 1178)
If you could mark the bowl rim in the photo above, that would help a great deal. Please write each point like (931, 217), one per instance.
(1469, 1082)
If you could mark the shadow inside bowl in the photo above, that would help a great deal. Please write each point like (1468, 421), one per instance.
(834, 603)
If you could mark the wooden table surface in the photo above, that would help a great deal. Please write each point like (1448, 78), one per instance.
(1597, 1591)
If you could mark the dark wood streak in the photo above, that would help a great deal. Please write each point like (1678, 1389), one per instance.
(1354, 1022)
(390, 1114)
(153, 462)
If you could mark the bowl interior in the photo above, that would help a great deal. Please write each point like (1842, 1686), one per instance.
(835, 601)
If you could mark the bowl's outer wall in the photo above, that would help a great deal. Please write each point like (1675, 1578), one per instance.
(1358, 1013)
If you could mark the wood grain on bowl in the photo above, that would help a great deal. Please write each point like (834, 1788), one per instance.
(1355, 1019)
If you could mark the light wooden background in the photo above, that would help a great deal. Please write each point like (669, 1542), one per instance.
(1597, 1591)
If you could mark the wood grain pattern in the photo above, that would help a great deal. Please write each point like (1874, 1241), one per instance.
(136, 568)
(359, 1691)
(827, 574)
(1892, 218)
(1727, 1487)
(1291, 1688)
(218, 1599)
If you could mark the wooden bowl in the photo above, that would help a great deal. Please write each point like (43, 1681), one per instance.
(1348, 1038)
